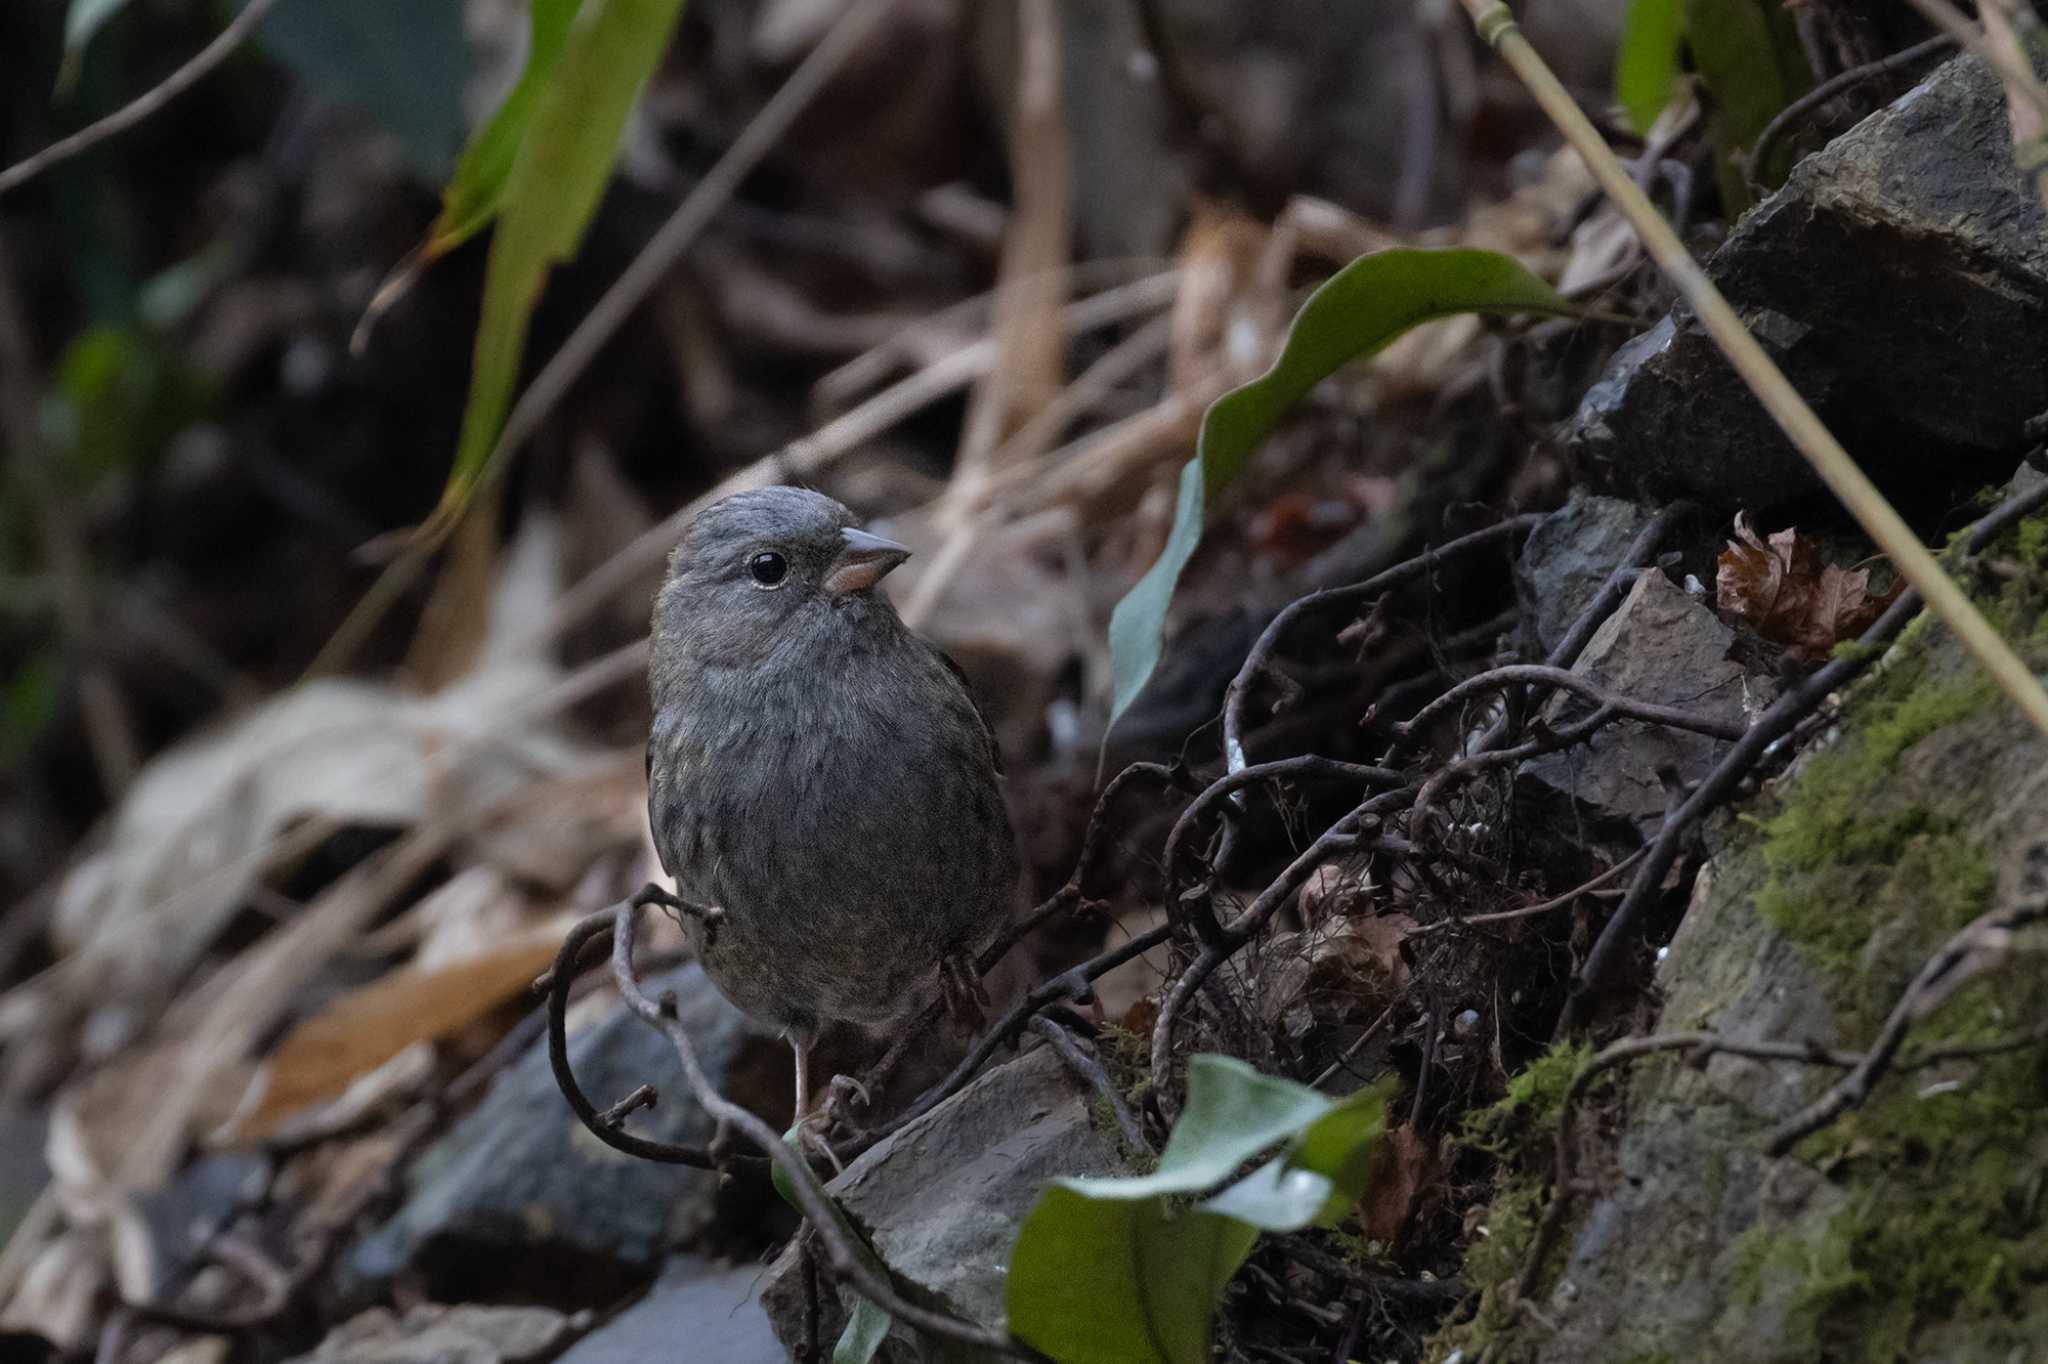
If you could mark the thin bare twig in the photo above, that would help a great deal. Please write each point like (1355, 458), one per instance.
(145, 105)
(1342, 836)
(1703, 1046)
(1090, 1072)
(1531, 911)
(1068, 897)
(1534, 674)
(592, 932)
(1303, 767)
(1941, 974)
(1260, 658)
(846, 1262)
(1760, 151)
(1070, 985)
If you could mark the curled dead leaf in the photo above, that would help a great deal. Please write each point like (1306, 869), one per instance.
(1406, 1169)
(1781, 589)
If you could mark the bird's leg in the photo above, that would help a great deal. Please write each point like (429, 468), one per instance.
(800, 1043)
(810, 1124)
(960, 987)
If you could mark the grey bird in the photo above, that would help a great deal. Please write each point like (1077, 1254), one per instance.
(820, 782)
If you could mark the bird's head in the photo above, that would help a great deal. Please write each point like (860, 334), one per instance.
(762, 571)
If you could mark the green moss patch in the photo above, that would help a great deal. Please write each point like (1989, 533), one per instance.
(1874, 856)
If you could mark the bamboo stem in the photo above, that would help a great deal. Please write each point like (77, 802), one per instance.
(1797, 420)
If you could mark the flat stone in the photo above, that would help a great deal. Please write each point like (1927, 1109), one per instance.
(432, 1334)
(1659, 646)
(941, 1200)
(1568, 557)
(696, 1310)
(1900, 278)
(518, 1194)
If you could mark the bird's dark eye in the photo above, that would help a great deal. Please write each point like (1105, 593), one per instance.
(768, 568)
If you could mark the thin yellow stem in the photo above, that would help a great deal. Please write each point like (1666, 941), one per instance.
(1797, 420)
(2004, 58)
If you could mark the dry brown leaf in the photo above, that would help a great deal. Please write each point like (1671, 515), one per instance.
(1362, 951)
(362, 1030)
(95, 1120)
(1220, 319)
(1406, 1168)
(1783, 591)
(59, 1298)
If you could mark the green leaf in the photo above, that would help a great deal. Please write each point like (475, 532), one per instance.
(868, 1325)
(1356, 312)
(401, 62)
(119, 398)
(1277, 1196)
(550, 196)
(865, 1331)
(1342, 1146)
(1120, 1281)
(471, 199)
(1233, 1113)
(1646, 66)
(1323, 1174)
(1120, 1269)
(1748, 55)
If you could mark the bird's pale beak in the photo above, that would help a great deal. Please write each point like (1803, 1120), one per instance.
(864, 561)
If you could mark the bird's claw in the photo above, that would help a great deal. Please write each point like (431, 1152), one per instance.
(810, 1135)
(843, 1089)
(961, 990)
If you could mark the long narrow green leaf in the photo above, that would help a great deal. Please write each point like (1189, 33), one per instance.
(551, 193)
(472, 197)
(1748, 55)
(1364, 306)
(1646, 64)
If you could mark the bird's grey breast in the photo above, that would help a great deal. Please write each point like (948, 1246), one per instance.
(842, 810)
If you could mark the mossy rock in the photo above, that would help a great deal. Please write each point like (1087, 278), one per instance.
(1913, 1228)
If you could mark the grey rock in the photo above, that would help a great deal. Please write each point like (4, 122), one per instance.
(431, 1334)
(1900, 277)
(696, 1310)
(941, 1200)
(519, 1187)
(23, 1170)
(1697, 1244)
(1659, 646)
(1568, 556)
(165, 1232)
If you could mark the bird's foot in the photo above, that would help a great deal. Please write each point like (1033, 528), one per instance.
(843, 1089)
(810, 1135)
(961, 990)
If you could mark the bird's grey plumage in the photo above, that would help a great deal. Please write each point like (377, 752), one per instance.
(816, 772)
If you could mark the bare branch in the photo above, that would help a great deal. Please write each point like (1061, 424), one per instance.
(146, 104)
